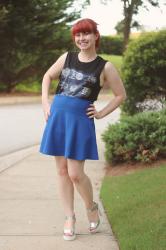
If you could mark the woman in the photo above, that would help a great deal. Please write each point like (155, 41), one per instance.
(69, 134)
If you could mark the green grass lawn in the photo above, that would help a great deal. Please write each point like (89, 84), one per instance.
(134, 205)
(115, 60)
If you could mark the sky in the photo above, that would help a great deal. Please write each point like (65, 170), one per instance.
(108, 15)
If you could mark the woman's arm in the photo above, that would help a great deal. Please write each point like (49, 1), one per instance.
(112, 80)
(52, 73)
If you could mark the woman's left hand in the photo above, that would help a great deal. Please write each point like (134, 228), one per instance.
(92, 112)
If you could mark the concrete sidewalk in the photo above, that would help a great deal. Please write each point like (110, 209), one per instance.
(31, 214)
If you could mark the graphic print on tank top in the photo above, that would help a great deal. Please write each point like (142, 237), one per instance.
(79, 79)
(76, 83)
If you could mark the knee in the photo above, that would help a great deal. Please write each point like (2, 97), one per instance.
(62, 171)
(75, 178)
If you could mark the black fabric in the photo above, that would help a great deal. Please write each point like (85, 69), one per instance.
(80, 79)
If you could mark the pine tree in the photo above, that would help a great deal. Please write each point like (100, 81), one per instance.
(32, 35)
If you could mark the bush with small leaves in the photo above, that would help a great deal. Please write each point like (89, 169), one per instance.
(144, 71)
(138, 138)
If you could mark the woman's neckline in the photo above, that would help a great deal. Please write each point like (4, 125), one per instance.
(85, 62)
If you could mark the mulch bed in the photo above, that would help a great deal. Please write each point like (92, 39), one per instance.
(124, 169)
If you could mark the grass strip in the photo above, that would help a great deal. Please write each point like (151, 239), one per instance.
(135, 207)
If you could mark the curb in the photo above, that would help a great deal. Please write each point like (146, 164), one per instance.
(9, 160)
(19, 100)
(10, 100)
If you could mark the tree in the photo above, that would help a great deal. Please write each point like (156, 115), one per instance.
(120, 26)
(33, 33)
(130, 8)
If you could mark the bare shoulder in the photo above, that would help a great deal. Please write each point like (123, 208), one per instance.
(55, 70)
(112, 77)
(61, 60)
(63, 57)
(110, 69)
(113, 80)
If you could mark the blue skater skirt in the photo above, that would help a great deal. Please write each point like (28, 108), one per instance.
(69, 132)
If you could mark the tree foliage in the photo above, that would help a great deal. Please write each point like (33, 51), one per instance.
(33, 33)
(120, 26)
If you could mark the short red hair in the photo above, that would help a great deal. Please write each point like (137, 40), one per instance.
(86, 25)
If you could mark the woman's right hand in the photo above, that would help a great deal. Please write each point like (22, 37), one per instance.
(46, 110)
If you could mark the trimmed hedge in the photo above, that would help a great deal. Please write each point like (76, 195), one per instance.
(138, 138)
(144, 71)
(111, 45)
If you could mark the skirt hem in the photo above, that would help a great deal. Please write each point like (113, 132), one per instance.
(70, 157)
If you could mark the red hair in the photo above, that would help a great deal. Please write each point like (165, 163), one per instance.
(86, 25)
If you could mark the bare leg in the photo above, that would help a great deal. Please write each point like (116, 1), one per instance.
(66, 188)
(82, 184)
(65, 185)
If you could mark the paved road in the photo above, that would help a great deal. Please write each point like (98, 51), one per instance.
(21, 126)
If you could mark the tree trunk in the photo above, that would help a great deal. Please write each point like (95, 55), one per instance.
(128, 14)
(126, 33)
(10, 88)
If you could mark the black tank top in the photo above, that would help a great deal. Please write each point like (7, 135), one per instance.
(80, 79)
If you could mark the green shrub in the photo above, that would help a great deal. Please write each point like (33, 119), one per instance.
(144, 70)
(138, 138)
(111, 45)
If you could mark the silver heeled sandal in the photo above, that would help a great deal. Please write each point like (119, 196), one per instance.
(69, 234)
(94, 226)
